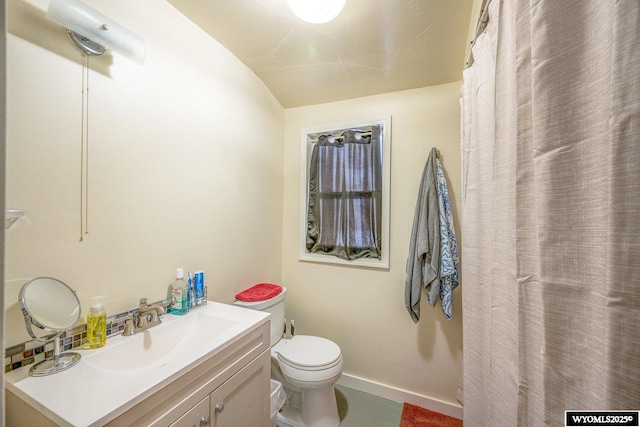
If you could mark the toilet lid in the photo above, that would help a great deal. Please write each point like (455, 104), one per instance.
(308, 351)
(259, 292)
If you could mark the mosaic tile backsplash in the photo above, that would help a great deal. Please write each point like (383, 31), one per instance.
(34, 351)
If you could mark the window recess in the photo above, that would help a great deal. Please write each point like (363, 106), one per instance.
(344, 195)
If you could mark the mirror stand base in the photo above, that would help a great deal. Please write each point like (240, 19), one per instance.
(54, 364)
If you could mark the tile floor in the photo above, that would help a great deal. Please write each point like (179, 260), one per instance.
(358, 409)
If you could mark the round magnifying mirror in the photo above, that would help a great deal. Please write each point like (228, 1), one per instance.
(50, 305)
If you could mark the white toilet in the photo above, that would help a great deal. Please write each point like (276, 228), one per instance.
(307, 366)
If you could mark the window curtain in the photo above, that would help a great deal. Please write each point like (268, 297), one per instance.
(345, 195)
(551, 212)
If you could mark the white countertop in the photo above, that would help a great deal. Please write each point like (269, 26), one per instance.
(90, 394)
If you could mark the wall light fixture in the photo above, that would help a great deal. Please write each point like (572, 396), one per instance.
(93, 32)
(316, 11)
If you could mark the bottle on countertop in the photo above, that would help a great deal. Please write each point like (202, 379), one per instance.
(199, 285)
(96, 324)
(179, 294)
(192, 292)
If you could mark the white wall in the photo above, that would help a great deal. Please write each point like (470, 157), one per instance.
(363, 309)
(185, 162)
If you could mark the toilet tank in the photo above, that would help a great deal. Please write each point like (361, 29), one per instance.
(275, 306)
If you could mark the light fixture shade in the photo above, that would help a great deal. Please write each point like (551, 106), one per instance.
(91, 24)
(316, 11)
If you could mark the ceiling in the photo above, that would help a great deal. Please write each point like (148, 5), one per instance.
(372, 47)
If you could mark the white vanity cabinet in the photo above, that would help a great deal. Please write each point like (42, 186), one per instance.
(231, 388)
(222, 380)
(198, 416)
(240, 401)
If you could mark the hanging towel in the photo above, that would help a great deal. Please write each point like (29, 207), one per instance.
(448, 244)
(423, 261)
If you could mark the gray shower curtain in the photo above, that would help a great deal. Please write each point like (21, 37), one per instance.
(551, 212)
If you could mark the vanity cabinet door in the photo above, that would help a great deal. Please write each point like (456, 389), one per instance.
(244, 399)
(198, 416)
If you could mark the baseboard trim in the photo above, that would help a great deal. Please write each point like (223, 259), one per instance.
(400, 395)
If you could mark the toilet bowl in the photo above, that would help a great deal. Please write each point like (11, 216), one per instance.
(308, 367)
(309, 362)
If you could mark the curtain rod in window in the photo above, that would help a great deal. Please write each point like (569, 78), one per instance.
(314, 138)
(482, 24)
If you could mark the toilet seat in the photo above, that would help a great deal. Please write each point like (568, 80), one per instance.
(309, 362)
(308, 353)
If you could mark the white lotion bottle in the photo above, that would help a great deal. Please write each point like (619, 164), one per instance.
(179, 294)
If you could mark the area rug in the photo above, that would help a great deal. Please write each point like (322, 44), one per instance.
(415, 416)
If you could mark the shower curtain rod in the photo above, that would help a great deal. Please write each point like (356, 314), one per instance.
(482, 24)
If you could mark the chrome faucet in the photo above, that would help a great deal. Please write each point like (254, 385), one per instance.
(148, 316)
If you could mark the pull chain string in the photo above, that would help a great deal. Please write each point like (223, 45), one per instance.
(86, 166)
(84, 151)
(84, 80)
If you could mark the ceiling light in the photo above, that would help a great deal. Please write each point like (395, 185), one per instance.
(316, 11)
(93, 32)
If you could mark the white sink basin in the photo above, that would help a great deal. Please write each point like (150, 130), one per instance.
(110, 380)
(176, 337)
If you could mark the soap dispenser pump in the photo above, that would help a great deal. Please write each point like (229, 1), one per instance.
(96, 324)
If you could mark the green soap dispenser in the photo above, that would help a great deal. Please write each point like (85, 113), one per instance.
(96, 324)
